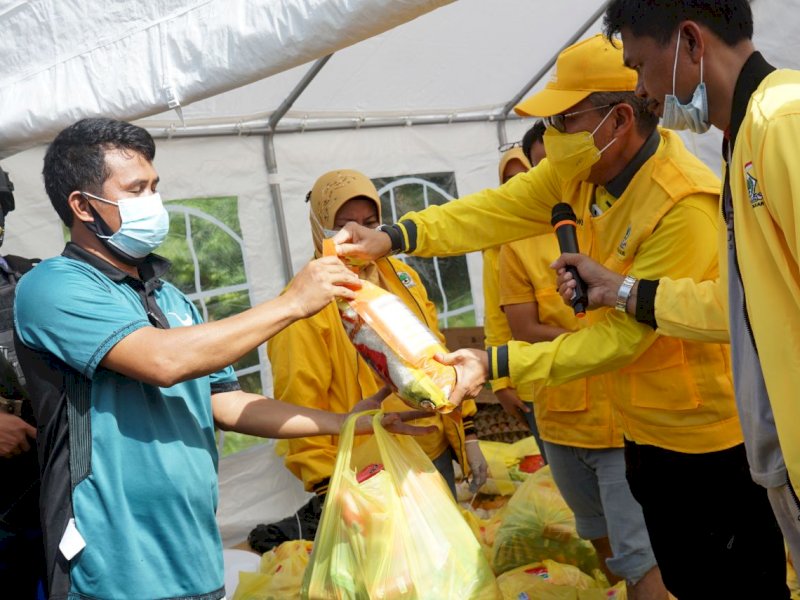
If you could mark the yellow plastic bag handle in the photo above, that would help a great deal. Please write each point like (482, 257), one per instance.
(346, 437)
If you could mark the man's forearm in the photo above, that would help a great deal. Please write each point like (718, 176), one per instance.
(266, 417)
(165, 357)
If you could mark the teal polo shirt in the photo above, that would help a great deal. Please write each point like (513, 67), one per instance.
(134, 465)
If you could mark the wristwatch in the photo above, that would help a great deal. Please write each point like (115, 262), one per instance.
(624, 293)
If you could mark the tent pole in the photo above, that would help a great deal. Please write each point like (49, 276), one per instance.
(502, 116)
(308, 124)
(272, 163)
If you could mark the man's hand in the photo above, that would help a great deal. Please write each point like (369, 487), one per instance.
(477, 464)
(512, 404)
(361, 242)
(603, 284)
(393, 422)
(14, 434)
(472, 370)
(319, 282)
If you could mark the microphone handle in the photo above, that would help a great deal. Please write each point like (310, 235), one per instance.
(568, 242)
(580, 299)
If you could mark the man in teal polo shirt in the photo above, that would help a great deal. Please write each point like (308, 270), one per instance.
(127, 383)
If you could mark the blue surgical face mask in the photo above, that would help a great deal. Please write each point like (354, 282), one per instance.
(144, 226)
(692, 116)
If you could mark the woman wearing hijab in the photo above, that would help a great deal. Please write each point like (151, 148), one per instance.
(315, 364)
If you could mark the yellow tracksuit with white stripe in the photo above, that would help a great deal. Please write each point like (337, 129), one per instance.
(673, 394)
(578, 413)
(765, 193)
(495, 324)
(314, 364)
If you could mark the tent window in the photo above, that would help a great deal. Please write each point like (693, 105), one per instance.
(206, 249)
(446, 279)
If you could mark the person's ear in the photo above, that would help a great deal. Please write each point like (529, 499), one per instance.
(79, 205)
(623, 118)
(692, 37)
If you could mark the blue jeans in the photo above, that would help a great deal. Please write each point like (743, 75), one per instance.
(530, 417)
(592, 481)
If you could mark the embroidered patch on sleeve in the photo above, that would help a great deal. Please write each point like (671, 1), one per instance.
(756, 197)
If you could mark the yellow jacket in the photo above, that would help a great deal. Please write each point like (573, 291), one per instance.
(495, 324)
(577, 413)
(765, 186)
(314, 364)
(677, 395)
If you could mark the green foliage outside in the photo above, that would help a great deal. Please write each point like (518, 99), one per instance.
(219, 264)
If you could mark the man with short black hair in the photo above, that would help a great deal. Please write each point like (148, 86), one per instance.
(533, 143)
(128, 384)
(698, 66)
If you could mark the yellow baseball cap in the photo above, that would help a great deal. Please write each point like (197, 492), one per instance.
(591, 65)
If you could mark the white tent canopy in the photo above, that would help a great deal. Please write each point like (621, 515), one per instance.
(263, 112)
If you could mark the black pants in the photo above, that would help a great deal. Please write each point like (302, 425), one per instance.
(711, 527)
(22, 562)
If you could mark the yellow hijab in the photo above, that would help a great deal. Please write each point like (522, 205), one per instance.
(332, 191)
(514, 153)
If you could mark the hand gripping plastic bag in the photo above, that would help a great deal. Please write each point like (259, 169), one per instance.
(397, 345)
(537, 525)
(390, 529)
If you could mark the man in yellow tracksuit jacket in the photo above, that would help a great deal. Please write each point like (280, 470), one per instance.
(577, 422)
(314, 363)
(755, 301)
(495, 325)
(657, 205)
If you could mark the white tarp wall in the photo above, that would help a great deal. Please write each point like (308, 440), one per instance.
(133, 59)
(467, 57)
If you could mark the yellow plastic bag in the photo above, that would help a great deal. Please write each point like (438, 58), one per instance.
(538, 525)
(503, 459)
(397, 345)
(390, 529)
(550, 580)
(279, 576)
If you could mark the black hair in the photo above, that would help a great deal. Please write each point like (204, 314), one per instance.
(729, 20)
(646, 120)
(75, 160)
(534, 135)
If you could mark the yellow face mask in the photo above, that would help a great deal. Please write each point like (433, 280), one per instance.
(573, 155)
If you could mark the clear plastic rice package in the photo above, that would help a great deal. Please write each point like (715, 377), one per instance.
(397, 345)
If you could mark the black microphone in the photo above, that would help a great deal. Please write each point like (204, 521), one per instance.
(563, 221)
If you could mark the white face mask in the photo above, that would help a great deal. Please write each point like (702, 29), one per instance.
(692, 116)
(144, 227)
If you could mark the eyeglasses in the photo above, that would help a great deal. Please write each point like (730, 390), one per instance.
(509, 146)
(559, 122)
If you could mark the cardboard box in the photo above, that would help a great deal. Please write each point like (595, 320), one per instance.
(464, 337)
(469, 337)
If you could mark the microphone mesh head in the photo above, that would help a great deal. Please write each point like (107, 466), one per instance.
(562, 212)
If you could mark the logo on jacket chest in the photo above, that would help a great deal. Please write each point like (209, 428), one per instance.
(756, 197)
(622, 249)
(405, 279)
